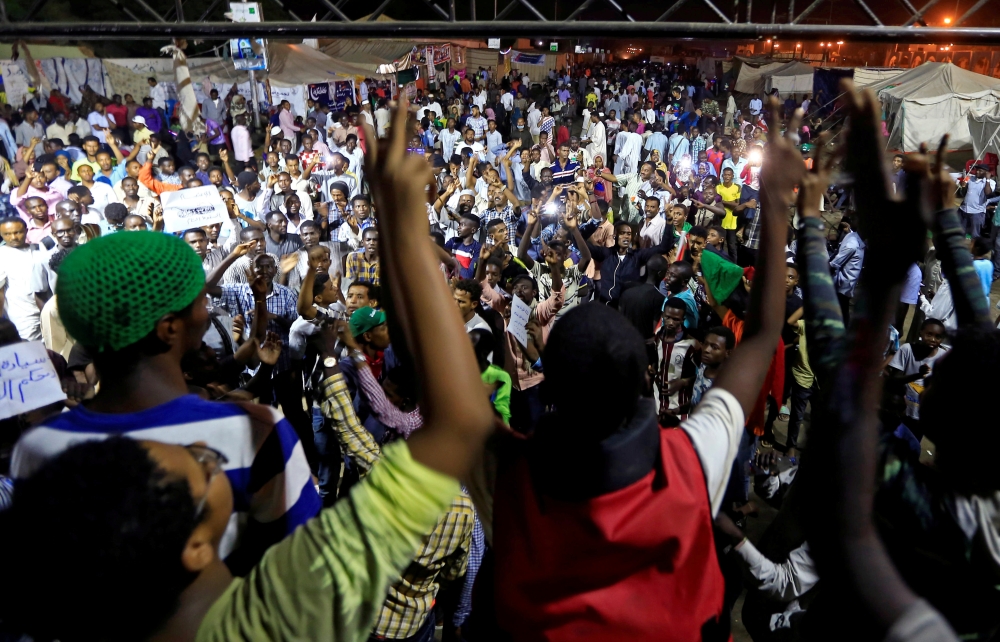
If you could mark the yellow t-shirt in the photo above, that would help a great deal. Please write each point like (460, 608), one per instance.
(731, 193)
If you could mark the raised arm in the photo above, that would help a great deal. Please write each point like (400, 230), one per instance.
(572, 223)
(457, 416)
(825, 332)
(522, 248)
(743, 373)
(216, 274)
(224, 157)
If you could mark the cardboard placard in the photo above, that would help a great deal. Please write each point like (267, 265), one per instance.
(192, 207)
(28, 380)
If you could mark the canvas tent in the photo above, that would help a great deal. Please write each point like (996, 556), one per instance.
(934, 99)
(749, 75)
(365, 57)
(791, 79)
(985, 131)
(864, 76)
(288, 66)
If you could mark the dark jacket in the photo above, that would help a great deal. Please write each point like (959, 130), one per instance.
(616, 269)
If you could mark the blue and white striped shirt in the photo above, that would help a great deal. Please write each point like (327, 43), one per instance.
(272, 485)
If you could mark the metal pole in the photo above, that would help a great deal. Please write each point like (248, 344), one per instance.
(334, 9)
(871, 14)
(749, 10)
(809, 10)
(774, 12)
(620, 10)
(179, 5)
(255, 103)
(451, 10)
(35, 8)
(209, 10)
(124, 9)
(3, 12)
(718, 12)
(472, 10)
(217, 31)
(149, 10)
(381, 9)
(666, 14)
(976, 7)
(571, 17)
(791, 11)
(920, 14)
(532, 9)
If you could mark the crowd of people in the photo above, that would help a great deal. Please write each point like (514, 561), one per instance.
(448, 364)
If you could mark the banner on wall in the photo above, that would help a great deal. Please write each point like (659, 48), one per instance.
(341, 91)
(295, 95)
(442, 53)
(527, 59)
(320, 93)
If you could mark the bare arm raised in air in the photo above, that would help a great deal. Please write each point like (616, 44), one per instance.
(457, 416)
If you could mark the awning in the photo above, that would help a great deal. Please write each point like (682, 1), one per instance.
(288, 66)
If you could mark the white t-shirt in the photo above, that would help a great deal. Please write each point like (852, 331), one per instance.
(905, 361)
(756, 105)
(103, 195)
(477, 323)
(22, 274)
(714, 429)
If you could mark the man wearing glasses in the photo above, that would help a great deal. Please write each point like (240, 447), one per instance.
(137, 325)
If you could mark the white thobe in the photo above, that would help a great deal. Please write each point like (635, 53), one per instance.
(628, 146)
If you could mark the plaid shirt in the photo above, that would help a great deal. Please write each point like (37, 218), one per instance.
(445, 555)
(698, 145)
(751, 235)
(281, 302)
(509, 218)
(356, 442)
(443, 558)
(361, 269)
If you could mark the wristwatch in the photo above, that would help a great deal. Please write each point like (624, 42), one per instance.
(329, 362)
(358, 356)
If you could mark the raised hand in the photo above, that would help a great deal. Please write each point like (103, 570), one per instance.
(532, 217)
(243, 248)
(783, 166)
(570, 221)
(258, 285)
(269, 351)
(224, 155)
(290, 261)
(815, 182)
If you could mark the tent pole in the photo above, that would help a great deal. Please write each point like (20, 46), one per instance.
(255, 103)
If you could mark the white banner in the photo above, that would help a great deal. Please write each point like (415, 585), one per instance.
(28, 380)
(295, 95)
(193, 207)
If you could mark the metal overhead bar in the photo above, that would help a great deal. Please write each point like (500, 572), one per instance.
(334, 9)
(506, 10)
(976, 7)
(909, 7)
(918, 16)
(150, 10)
(211, 7)
(666, 14)
(378, 12)
(283, 8)
(717, 11)
(533, 10)
(124, 9)
(434, 6)
(871, 14)
(808, 10)
(179, 10)
(571, 17)
(35, 8)
(620, 9)
(490, 29)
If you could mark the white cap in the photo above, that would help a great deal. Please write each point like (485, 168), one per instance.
(477, 147)
(139, 119)
(275, 130)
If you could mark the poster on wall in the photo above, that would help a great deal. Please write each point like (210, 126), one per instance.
(442, 53)
(320, 93)
(995, 65)
(981, 62)
(342, 90)
(296, 96)
(962, 59)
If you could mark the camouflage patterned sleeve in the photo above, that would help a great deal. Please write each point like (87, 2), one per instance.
(971, 307)
(825, 335)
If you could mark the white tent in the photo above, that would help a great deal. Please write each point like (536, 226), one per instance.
(864, 76)
(750, 76)
(934, 99)
(985, 130)
(793, 78)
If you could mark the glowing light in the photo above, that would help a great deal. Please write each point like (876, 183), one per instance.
(840, 42)
(798, 44)
(947, 21)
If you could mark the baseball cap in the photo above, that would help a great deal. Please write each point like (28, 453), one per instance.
(139, 119)
(366, 319)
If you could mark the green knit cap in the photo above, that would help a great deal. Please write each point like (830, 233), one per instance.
(721, 276)
(114, 289)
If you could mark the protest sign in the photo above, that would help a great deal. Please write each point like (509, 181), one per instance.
(517, 326)
(320, 93)
(193, 207)
(341, 91)
(28, 380)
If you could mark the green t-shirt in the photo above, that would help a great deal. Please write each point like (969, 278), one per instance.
(328, 579)
(501, 401)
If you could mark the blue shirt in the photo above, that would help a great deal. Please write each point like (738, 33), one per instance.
(984, 270)
(975, 197)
